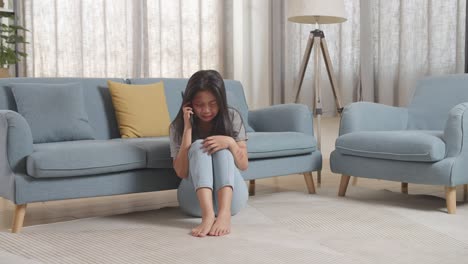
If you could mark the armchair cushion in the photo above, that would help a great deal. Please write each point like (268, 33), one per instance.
(279, 144)
(416, 145)
(366, 116)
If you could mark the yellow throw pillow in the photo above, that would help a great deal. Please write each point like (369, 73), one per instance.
(141, 110)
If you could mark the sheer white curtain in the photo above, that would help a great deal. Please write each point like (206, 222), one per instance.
(410, 39)
(268, 51)
(383, 48)
(252, 49)
(122, 38)
(377, 55)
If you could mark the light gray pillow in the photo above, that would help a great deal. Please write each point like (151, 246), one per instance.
(55, 112)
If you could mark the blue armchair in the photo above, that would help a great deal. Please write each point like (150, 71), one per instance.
(426, 143)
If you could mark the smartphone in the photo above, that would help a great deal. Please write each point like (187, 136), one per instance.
(191, 116)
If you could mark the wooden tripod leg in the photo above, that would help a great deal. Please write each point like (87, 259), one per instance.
(251, 187)
(20, 212)
(331, 75)
(305, 60)
(318, 92)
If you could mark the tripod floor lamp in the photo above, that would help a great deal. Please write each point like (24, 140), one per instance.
(317, 12)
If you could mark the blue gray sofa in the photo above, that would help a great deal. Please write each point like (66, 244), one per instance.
(281, 142)
(425, 143)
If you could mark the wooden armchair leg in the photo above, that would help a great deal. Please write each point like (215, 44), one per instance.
(319, 178)
(465, 192)
(354, 183)
(343, 184)
(20, 212)
(309, 179)
(251, 187)
(404, 187)
(451, 199)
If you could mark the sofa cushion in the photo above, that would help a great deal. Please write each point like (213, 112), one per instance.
(411, 145)
(158, 154)
(141, 110)
(86, 157)
(279, 144)
(55, 112)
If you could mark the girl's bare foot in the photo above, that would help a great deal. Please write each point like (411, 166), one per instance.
(205, 226)
(222, 225)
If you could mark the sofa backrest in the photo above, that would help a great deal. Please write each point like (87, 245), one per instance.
(433, 99)
(174, 87)
(97, 99)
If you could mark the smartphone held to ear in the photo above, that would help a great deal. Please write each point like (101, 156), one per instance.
(191, 119)
(190, 105)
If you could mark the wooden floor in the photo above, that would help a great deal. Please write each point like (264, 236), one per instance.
(57, 211)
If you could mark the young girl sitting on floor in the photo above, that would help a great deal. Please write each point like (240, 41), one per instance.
(208, 149)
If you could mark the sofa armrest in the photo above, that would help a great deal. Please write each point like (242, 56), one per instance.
(281, 118)
(456, 130)
(16, 142)
(456, 143)
(366, 116)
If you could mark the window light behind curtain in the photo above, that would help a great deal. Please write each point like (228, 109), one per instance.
(122, 38)
(378, 54)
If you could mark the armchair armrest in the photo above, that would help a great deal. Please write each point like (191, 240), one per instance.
(366, 116)
(456, 130)
(16, 142)
(281, 118)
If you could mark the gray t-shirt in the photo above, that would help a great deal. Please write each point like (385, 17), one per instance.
(237, 126)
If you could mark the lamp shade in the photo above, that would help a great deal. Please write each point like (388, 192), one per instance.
(316, 11)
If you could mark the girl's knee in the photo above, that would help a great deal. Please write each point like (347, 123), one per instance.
(198, 142)
(224, 153)
(196, 146)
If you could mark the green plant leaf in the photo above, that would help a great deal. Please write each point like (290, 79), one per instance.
(11, 35)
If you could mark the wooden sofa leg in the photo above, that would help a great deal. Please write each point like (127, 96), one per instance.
(343, 184)
(309, 179)
(354, 183)
(404, 187)
(451, 199)
(20, 212)
(465, 192)
(251, 187)
(319, 178)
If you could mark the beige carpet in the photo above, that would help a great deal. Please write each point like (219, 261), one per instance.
(288, 227)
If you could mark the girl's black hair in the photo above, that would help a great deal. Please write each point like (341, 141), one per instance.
(205, 80)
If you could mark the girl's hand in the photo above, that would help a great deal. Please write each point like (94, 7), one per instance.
(188, 112)
(215, 143)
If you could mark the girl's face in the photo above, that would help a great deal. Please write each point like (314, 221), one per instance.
(205, 106)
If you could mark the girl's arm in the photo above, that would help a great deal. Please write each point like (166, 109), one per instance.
(239, 151)
(180, 162)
